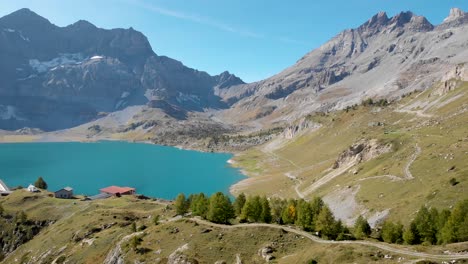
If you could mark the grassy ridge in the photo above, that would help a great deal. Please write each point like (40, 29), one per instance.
(85, 232)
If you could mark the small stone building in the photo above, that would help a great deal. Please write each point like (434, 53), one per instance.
(65, 193)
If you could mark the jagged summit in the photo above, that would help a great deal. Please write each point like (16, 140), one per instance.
(379, 19)
(404, 20)
(456, 18)
(455, 13)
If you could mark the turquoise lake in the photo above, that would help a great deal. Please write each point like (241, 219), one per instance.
(155, 171)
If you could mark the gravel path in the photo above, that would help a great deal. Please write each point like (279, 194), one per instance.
(316, 239)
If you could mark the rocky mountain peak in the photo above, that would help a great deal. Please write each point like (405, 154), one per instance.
(375, 22)
(409, 20)
(420, 23)
(82, 24)
(455, 13)
(457, 17)
(380, 22)
(23, 18)
(226, 79)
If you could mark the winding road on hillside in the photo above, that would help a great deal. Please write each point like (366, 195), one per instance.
(316, 239)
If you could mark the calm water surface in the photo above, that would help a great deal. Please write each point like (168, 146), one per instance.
(156, 171)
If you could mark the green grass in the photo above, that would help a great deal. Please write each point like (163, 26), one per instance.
(75, 220)
(445, 133)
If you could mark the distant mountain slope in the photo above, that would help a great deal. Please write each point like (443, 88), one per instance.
(384, 57)
(58, 77)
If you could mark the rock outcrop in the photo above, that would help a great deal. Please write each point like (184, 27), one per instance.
(457, 17)
(266, 253)
(361, 151)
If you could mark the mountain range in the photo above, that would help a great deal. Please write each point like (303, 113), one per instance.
(60, 77)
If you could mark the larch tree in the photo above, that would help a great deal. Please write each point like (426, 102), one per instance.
(239, 204)
(220, 209)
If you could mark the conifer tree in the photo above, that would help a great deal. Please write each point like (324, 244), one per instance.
(325, 223)
(252, 210)
(220, 209)
(455, 229)
(266, 210)
(289, 213)
(362, 228)
(40, 183)
(316, 206)
(410, 235)
(304, 215)
(392, 233)
(239, 203)
(426, 225)
(181, 204)
(199, 205)
(277, 207)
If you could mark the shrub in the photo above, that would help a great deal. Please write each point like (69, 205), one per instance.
(40, 183)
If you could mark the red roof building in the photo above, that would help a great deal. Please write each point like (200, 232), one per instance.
(116, 190)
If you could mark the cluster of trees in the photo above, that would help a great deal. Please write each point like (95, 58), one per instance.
(311, 216)
(430, 226)
(217, 208)
(370, 102)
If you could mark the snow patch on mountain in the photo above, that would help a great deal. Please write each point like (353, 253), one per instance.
(10, 30)
(125, 95)
(63, 59)
(96, 58)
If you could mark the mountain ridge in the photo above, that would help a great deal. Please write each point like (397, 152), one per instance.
(392, 55)
(83, 70)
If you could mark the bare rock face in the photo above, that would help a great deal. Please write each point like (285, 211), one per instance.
(455, 13)
(456, 18)
(303, 124)
(178, 257)
(266, 253)
(451, 79)
(361, 151)
(59, 77)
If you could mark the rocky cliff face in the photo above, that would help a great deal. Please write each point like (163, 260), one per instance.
(57, 77)
(385, 57)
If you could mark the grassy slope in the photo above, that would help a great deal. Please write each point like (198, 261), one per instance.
(444, 134)
(74, 218)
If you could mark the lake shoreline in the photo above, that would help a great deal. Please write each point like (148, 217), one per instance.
(204, 180)
(25, 139)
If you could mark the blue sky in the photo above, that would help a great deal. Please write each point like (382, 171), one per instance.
(252, 39)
